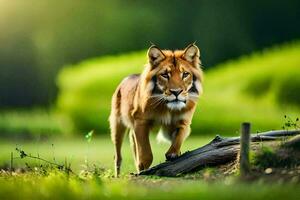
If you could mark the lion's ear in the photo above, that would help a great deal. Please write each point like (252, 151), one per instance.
(155, 55)
(192, 54)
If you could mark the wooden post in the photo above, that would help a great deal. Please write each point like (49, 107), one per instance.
(244, 149)
(11, 162)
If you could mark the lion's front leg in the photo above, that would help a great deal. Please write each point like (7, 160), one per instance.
(144, 155)
(178, 137)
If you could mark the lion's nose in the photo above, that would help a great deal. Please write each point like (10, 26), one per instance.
(176, 92)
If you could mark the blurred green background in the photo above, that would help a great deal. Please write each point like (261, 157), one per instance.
(61, 60)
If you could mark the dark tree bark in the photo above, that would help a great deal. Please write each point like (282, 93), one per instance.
(219, 151)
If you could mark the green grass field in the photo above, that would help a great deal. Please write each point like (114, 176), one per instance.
(99, 151)
(58, 185)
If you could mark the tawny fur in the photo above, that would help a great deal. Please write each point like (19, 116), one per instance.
(164, 95)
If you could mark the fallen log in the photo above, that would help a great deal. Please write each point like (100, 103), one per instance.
(219, 151)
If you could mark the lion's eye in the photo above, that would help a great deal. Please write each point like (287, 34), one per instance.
(165, 75)
(185, 74)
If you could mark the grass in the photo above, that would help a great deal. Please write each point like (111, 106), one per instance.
(58, 186)
(53, 184)
(99, 151)
(252, 88)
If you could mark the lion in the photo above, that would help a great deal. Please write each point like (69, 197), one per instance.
(164, 95)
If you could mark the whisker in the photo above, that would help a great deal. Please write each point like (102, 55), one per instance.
(153, 101)
(157, 101)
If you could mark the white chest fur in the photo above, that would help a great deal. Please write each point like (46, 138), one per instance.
(163, 119)
(168, 118)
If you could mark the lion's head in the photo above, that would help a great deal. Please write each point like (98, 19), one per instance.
(173, 78)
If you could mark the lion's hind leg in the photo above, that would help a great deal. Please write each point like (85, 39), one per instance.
(117, 136)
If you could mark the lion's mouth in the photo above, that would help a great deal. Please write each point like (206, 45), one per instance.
(176, 104)
(177, 101)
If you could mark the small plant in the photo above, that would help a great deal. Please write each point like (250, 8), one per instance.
(88, 138)
(290, 123)
(64, 167)
(90, 171)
